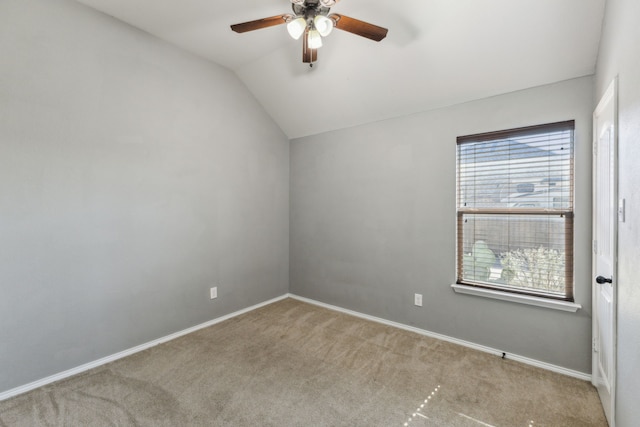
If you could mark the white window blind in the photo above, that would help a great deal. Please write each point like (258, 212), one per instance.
(515, 210)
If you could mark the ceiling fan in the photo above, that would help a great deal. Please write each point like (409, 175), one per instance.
(312, 20)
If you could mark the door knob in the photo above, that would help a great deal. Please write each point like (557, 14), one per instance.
(601, 280)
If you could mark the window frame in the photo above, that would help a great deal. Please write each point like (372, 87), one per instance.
(566, 213)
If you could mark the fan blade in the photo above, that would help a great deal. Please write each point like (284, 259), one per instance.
(358, 27)
(308, 55)
(260, 23)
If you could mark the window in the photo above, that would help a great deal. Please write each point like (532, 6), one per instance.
(515, 211)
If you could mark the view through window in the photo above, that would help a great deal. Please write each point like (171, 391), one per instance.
(515, 210)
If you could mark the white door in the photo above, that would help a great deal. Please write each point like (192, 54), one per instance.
(605, 217)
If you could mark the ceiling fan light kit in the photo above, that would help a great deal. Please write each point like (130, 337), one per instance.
(315, 40)
(296, 27)
(323, 24)
(311, 18)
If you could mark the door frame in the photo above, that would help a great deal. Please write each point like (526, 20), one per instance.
(610, 95)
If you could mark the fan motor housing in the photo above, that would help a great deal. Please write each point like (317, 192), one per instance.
(310, 9)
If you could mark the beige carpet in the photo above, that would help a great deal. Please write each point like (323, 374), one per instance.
(295, 364)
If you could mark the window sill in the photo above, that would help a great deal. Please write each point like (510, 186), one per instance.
(517, 298)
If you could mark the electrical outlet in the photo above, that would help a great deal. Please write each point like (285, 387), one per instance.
(417, 300)
(213, 292)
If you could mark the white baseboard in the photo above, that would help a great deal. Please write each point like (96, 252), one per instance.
(77, 370)
(522, 359)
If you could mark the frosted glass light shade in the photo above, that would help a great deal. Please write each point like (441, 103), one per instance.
(323, 24)
(296, 27)
(315, 40)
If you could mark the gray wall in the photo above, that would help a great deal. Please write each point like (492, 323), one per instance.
(620, 56)
(373, 222)
(133, 177)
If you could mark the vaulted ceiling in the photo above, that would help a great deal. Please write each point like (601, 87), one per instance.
(437, 52)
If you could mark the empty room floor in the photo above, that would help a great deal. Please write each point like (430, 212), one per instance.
(295, 364)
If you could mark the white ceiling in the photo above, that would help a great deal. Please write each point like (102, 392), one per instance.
(437, 52)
